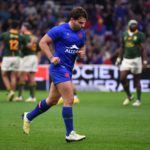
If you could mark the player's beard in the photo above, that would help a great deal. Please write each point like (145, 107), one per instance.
(77, 28)
(133, 28)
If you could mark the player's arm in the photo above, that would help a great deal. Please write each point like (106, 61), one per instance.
(143, 50)
(44, 45)
(39, 53)
(120, 53)
(144, 55)
(38, 56)
(1, 38)
(82, 51)
(32, 42)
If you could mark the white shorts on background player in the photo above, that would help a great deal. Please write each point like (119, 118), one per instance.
(29, 63)
(133, 65)
(11, 63)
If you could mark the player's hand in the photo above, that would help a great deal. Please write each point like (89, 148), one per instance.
(144, 65)
(34, 39)
(55, 60)
(118, 61)
(81, 53)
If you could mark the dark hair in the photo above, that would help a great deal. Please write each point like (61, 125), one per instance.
(27, 25)
(78, 12)
(14, 24)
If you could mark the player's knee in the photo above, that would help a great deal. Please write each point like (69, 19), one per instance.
(122, 80)
(68, 102)
(137, 85)
(51, 101)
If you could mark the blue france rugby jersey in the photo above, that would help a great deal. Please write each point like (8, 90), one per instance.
(67, 42)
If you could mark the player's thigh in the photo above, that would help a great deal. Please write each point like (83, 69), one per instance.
(6, 63)
(123, 74)
(137, 67)
(5, 73)
(29, 64)
(13, 74)
(66, 91)
(53, 96)
(22, 76)
(10, 64)
(125, 65)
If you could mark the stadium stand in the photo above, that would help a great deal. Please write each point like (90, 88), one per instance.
(107, 20)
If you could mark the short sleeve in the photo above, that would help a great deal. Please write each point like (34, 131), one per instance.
(54, 33)
(122, 39)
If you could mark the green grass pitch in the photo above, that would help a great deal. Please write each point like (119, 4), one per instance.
(100, 116)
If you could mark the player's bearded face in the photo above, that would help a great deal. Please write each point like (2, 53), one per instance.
(79, 24)
(133, 27)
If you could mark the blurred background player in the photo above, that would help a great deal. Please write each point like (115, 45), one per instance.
(134, 58)
(13, 42)
(29, 64)
(76, 98)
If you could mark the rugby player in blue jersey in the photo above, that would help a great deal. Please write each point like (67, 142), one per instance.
(68, 40)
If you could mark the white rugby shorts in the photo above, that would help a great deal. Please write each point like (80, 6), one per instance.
(11, 63)
(133, 65)
(29, 63)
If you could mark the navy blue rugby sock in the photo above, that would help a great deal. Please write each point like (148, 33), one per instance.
(39, 109)
(68, 119)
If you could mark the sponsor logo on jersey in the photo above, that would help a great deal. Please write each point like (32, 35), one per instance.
(72, 50)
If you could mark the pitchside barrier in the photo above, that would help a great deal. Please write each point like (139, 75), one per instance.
(92, 78)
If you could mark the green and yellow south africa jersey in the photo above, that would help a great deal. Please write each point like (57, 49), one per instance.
(32, 50)
(13, 43)
(132, 43)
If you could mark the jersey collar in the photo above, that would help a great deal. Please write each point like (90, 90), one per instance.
(132, 33)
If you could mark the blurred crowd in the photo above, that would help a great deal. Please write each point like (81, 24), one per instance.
(107, 20)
